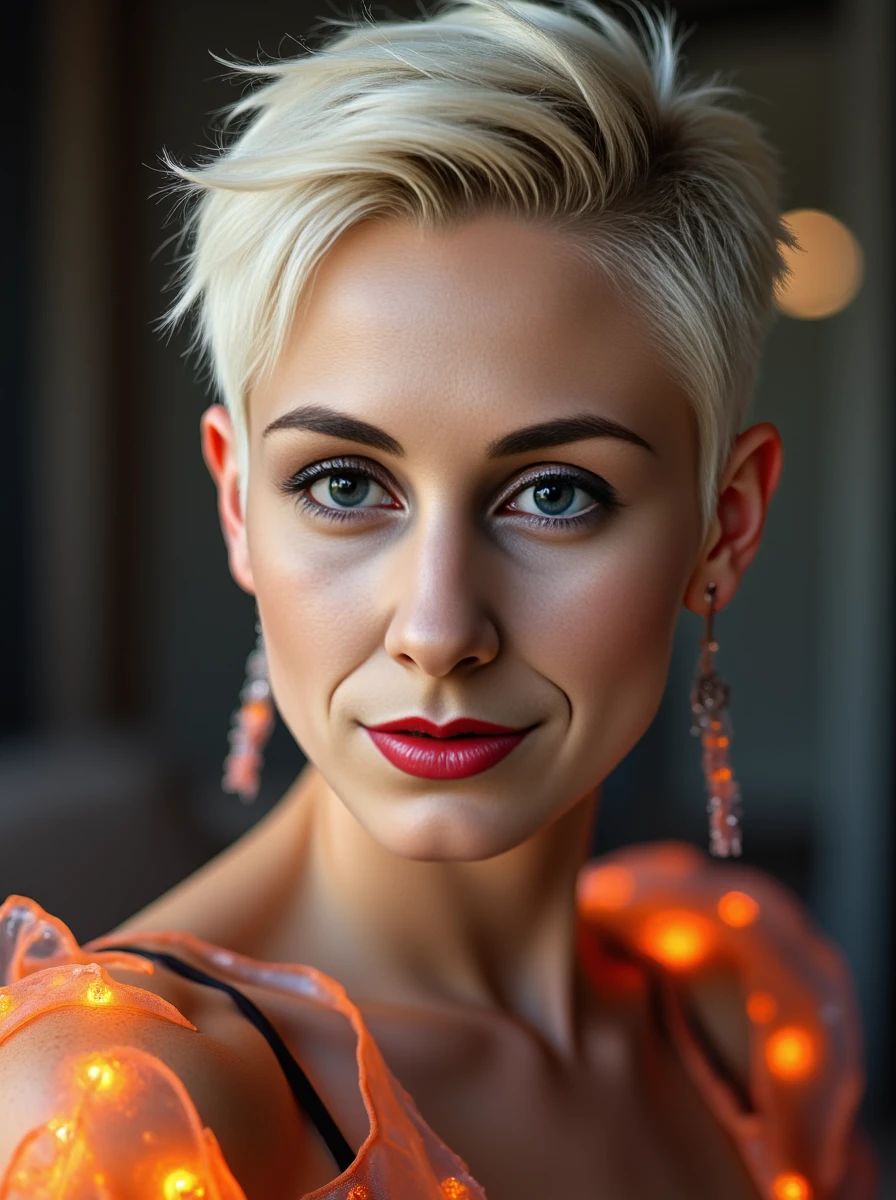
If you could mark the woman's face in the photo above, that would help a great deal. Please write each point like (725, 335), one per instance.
(472, 494)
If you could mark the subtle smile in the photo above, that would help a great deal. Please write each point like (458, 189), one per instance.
(452, 751)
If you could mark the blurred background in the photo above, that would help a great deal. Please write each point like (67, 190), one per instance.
(124, 638)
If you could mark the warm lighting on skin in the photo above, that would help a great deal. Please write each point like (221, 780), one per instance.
(762, 1007)
(790, 1053)
(791, 1186)
(737, 909)
(676, 939)
(182, 1184)
(826, 269)
(609, 888)
(360, 1192)
(5, 1004)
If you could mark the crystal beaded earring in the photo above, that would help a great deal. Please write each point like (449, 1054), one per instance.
(251, 726)
(710, 696)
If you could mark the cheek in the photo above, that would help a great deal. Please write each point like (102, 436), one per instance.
(316, 600)
(601, 629)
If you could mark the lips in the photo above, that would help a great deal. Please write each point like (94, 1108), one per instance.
(456, 750)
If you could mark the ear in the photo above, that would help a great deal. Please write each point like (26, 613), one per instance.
(219, 452)
(746, 489)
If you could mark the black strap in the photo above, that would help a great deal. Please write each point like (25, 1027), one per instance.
(306, 1097)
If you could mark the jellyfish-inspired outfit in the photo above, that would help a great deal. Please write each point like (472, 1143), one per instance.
(123, 1126)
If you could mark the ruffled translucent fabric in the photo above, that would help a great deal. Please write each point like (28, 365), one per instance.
(669, 905)
(124, 1125)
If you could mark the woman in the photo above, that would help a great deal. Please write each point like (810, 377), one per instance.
(483, 295)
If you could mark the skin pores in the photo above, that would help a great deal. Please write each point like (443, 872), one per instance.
(427, 576)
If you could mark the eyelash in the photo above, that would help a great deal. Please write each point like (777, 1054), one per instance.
(603, 493)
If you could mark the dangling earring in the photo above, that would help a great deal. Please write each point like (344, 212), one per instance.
(250, 728)
(710, 695)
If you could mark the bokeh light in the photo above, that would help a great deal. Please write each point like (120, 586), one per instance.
(791, 1053)
(610, 887)
(791, 1186)
(676, 939)
(826, 268)
(738, 909)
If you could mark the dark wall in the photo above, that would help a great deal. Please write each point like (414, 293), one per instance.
(17, 90)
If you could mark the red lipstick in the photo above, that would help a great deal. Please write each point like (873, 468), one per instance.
(452, 751)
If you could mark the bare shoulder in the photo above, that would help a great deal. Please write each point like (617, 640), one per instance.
(156, 1078)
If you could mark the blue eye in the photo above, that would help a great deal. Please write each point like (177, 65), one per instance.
(347, 489)
(553, 498)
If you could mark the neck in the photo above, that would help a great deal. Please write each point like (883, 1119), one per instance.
(500, 933)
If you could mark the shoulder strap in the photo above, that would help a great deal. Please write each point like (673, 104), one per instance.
(302, 1089)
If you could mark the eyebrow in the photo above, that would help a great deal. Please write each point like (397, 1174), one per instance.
(316, 418)
(563, 431)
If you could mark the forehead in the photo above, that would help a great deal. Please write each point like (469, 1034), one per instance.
(495, 319)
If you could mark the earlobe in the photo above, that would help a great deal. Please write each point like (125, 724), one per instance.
(749, 482)
(220, 455)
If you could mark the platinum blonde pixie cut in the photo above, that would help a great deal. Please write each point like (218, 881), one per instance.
(551, 113)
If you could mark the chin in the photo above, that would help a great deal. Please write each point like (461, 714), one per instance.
(444, 828)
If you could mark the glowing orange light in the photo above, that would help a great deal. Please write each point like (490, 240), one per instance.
(61, 1129)
(453, 1189)
(826, 269)
(676, 939)
(5, 1004)
(790, 1053)
(97, 1073)
(738, 909)
(98, 993)
(791, 1186)
(762, 1007)
(182, 1184)
(722, 775)
(609, 887)
(360, 1192)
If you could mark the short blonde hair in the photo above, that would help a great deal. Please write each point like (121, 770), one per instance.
(554, 113)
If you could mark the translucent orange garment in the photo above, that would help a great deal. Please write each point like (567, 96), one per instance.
(124, 1125)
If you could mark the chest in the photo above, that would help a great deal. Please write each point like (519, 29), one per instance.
(623, 1121)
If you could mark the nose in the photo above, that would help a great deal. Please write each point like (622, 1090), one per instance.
(439, 622)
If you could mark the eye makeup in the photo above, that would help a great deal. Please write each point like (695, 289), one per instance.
(549, 479)
(553, 486)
